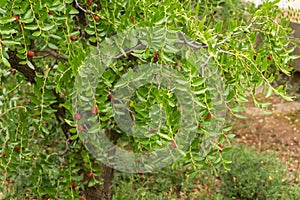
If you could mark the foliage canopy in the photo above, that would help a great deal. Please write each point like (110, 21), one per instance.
(45, 44)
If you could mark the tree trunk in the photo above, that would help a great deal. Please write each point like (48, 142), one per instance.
(103, 191)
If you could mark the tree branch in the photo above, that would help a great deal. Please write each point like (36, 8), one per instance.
(14, 61)
(81, 8)
(129, 51)
(55, 54)
(30, 75)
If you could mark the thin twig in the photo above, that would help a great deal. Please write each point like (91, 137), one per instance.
(129, 51)
(54, 54)
(41, 57)
(226, 52)
(81, 8)
(67, 146)
(197, 45)
(204, 65)
(193, 44)
(236, 33)
(132, 113)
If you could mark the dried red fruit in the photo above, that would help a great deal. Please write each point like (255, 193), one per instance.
(16, 18)
(90, 175)
(208, 116)
(132, 19)
(200, 127)
(77, 116)
(155, 56)
(3, 154)
(74, 185)
(96, 17)
(94, 110)
(90, 2)
(7, 179)
(270, 57)
(80, 128)
(111, 97)
(151, 130)
(30, 53)
(144, 153)
(174, 145)
(35, 116)
(221, 146)
(73, 37)
(50, 13)
(17, 148)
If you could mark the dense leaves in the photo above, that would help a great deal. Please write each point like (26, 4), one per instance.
(46, 44)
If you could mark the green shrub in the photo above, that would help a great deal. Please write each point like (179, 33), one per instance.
(255, 175)
(166, 184)
(169, 183)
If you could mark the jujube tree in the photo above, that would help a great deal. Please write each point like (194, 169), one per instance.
(68, 63)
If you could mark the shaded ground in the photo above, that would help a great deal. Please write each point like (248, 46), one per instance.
(279, 131)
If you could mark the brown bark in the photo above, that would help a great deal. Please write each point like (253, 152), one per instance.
(103, 191)
(29, 73)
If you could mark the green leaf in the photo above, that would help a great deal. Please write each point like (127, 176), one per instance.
(168, 59)
(270, 90)
(9, 42)
(227, 128)
(162, 20)
(294, 57)
(74, 137)
(165, 136)
(47, 28)
(201, 91)
(2, 3)
(31, 27)
(239, 116)
(28, 14)
(198, 81)
(7, 32)
(45, 130)
(5, 61)
(73, 11)
(5, 20)
(71, 123)
(27, 21)
(52, 46)
(36, 33)
(266, 112)
(73, 130)
(30, 65)
(230, 136)
(55, 37)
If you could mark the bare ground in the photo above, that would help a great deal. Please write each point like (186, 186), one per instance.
(279, 131)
